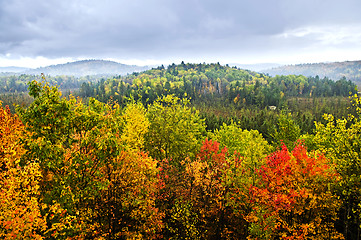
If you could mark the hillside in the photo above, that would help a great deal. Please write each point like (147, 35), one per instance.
(11, 70)
(207, 82)
(255, 67)
(87, 67)
(335, 70)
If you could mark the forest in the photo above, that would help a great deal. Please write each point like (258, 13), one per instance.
(223, 94)
(188, 151)
(333, 70)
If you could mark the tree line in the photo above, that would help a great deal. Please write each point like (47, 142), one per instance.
(14, 88)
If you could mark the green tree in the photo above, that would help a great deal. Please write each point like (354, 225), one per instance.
(287, 131)
(340, 141)
(175, 130)
(248, 144)
(96, 182)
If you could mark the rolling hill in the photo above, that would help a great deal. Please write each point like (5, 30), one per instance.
(255, 67)
(87, 67)
(4, 71)
(351, 70)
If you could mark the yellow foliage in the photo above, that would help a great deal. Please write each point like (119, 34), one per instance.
(20, 216)
(136, 126)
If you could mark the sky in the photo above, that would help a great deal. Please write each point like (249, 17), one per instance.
(150, 32)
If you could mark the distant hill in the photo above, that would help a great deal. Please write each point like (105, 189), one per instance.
(12, 69)
(87, 67)
(255, 67)
(335, 70)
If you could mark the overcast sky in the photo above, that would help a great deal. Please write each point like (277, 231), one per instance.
(43, 32)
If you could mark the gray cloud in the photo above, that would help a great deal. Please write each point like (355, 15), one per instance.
(161, 28)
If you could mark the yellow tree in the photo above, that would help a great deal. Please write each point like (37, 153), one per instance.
(136, 125)
(20, 216)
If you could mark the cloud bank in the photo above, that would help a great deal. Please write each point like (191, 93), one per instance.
(235, 30)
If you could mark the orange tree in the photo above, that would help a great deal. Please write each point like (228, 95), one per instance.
(204, 180)
(20, 215)
(208, 196)
(293, 198)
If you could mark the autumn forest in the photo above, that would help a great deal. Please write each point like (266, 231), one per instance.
(188, 151)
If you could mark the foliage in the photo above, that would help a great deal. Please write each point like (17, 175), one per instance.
(20, 215)
(229, 93)
(339, 140)
(248, 144)
(196, 201)
(287, 131)
(204, 178)
(92, 164)
(175, 130)
(144, 169)
(212, 82)
(294, 198)
(136, 125)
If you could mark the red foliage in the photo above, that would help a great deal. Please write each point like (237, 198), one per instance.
(211, 153)
(291, 194)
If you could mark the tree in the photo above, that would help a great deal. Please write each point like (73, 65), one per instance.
(136, 126)
(247, 151)
(197, 199)
(294, 198)
(20, 209)
(204, 179)
(288, 131)
(175, 130)
(250, 146)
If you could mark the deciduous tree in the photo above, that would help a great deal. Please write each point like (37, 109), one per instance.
(294, 198)
(20, 209)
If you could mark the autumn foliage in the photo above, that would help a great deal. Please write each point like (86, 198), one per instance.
(20, 210)
(293, 198)
(70, 170)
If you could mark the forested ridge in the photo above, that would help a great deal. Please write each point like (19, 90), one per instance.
(333, 70)
(214, 80)
(191, 151)
(91, 67)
